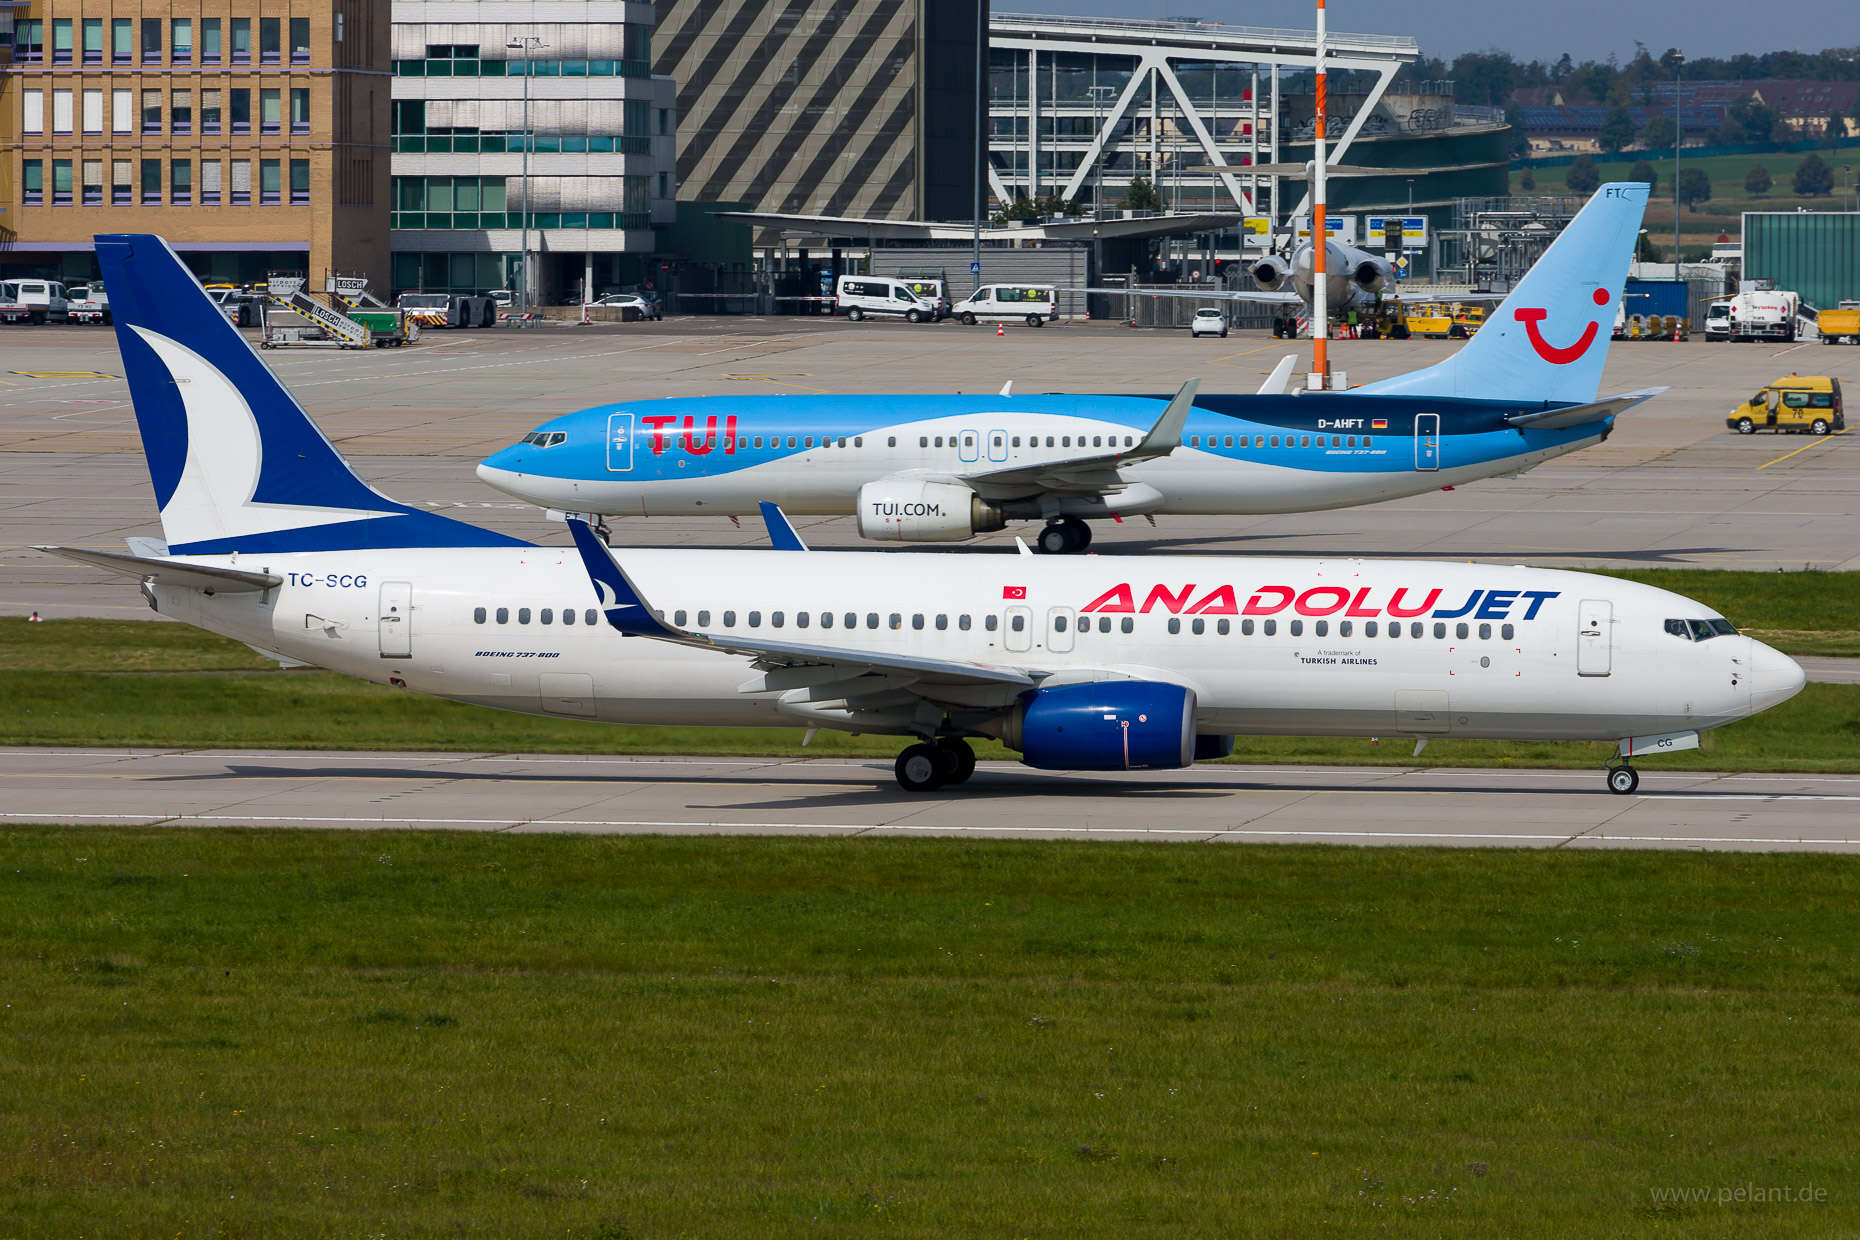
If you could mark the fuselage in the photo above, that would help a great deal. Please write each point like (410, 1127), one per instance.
(1303, 647)
(1238, 455)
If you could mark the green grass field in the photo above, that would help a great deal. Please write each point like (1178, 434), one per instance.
(132, 683)
(404, 1034)
(1698, 229)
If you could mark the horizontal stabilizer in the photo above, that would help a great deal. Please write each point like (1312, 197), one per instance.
(170, 572)
(1578, 415)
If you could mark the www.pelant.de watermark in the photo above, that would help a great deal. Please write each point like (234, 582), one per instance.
(1740, 1194)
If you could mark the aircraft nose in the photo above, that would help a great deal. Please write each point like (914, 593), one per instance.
(1774, 677)
(495, 470)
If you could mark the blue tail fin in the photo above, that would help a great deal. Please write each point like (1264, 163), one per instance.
(1549, 339)
(237, 464)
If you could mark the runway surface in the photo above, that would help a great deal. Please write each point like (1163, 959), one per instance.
(1672, 486)
(751, 796)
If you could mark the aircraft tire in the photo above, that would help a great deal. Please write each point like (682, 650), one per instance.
(1080, 533)
(960, 757)
(1055, 539)
(1623, 780)
(920, 768)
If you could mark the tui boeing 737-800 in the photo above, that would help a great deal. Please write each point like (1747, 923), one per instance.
(1078, 664)
(938, 468)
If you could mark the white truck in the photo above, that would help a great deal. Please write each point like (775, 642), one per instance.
(88, 303)
(1759, 314)
(33, 301)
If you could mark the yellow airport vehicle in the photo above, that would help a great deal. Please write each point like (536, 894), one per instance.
(1445, 320)
(1796, 404)
(1840, 326)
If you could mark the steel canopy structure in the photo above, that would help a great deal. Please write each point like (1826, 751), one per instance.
(1138, 117)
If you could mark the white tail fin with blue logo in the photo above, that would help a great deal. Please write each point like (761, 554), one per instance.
(237, 464)
(1548, 340)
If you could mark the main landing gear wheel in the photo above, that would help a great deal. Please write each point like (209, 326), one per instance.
(1623, 780)
(1068, 536)
(922, 768)
(960, 759)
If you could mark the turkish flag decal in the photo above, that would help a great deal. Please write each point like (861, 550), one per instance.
(1013, 591)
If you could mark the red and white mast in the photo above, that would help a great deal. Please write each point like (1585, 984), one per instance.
(1320, 232)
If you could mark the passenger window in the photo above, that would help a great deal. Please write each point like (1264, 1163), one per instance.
(800, 619)
(1175, 624)
(1097, 441)
(1352, 441)
(1365, 441)
(776, 619)
(1440, 630)
(989, 623)
(548, 615)
(1059, 624)
(1104, 624)
(678, 617)
(1194, 441)
(1298, 628)
(917, 621)
(1017, 441)
(1227, 441)
(923, 441)
(1417, 629)
(588, 616)
(478, 615)
(962, 622)
(858, 441)
(1275, 441)
(942, 621)
(1246, 628)
(1506, 632)
(826, 619)
(891, 441)
(1485, 632)
(1127, 442)
(758, 441)
(791, 441)
(1304, 441)
(810, 441)
(1065, 441)
(1270, 628)
(523, 615)
(1343, 628)
(503, 615)
(1462, 631)
(1394, 628)
(568, 615)
(1321, 628)
(1018, 624)
(1199, 626)
(1049, 441)
(897, 620)
(852, 620)
(1221, 627)
(1129, 625)
(1370, 629)
(755, 619)
(871, 619)
(703, 619)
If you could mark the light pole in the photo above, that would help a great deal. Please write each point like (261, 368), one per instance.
(981, 150)
(525, 44)
(1679, 65)
(1098, 95)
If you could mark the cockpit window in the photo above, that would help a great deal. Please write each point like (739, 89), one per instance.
(1701, 630)
(545, 439)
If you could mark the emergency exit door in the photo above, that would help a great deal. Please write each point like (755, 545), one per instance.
(396, 620)
(1426, 441)
(1595, 624)
(619, 442)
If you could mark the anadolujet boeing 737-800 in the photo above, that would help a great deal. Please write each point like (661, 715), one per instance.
(940, 468)
(1082, 664)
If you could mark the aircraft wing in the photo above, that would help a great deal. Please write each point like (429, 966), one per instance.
(1579, 415)
(1277, 299)
(1096, 474)
(165, 572)
(629, 613)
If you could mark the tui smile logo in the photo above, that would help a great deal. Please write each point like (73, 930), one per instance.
(1555, 355)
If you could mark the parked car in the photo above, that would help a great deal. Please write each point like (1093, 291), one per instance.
(240, 307)
(1031, 302)
(644, 307)
(932, 291)
(502, 298)
(859, 296)
(1208, 322)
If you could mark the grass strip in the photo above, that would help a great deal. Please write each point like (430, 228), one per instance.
(1819, 730)
(420, 1034)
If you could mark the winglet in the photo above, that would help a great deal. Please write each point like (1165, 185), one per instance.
(782, 534)
(1280, 378)
(623, 605)
(1007, 389)
(1166, 436)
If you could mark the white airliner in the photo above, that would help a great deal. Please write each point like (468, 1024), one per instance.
(1106, 663)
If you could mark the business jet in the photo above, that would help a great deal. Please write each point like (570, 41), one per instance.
(1099, 664)
(944, 468)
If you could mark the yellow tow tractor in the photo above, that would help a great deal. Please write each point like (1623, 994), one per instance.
(1445, 320)
(1797, 404)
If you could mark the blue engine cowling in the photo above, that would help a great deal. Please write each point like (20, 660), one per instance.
(1113, 725)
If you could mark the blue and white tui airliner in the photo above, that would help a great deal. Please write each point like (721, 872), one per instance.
(933, 468)
(1113, 663)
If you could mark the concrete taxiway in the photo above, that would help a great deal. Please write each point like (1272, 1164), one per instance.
(762, 796)
(1672, 486)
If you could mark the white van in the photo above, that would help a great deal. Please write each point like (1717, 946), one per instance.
(858, 296)
(44, 300)
(1031, 302)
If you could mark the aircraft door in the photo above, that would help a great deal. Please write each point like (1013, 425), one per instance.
(619, 442)
(997, 445)
(1426, 441)
(1059, 624)
(395, 620)
(967, 449)
(1019, 635)
(1594, 637)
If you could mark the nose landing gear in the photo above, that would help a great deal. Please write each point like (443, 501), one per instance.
(1623, 780)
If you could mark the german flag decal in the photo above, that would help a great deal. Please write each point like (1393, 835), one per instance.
(1378, 424)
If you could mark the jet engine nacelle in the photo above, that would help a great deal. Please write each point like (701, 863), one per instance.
(907, 510)
(1270, 273)
(1109, 725)
(1372, 275)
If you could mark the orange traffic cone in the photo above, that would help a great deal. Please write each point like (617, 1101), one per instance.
(1000, 329)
